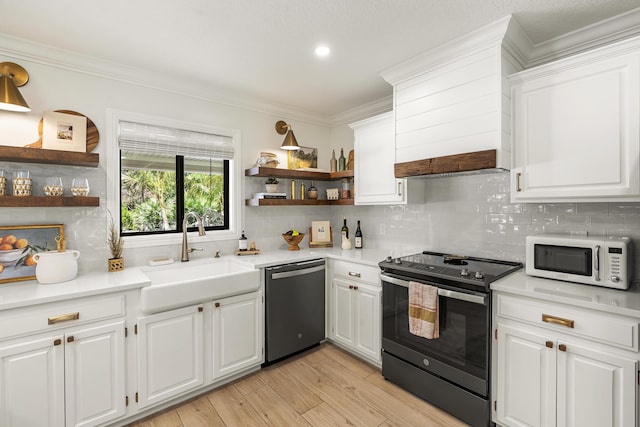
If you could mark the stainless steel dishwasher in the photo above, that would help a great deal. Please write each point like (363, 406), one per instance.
(294, 308)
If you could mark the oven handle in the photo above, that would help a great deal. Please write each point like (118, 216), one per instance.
(475, 299)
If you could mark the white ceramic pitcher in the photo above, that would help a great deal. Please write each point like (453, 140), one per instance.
(56, 267)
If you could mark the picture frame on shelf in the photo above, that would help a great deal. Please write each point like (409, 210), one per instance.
(18, 244)
(65, 132)
(304, 158)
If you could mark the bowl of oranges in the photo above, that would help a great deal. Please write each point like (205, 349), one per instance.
(11, 248)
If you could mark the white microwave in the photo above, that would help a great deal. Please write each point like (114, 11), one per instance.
(604, 261)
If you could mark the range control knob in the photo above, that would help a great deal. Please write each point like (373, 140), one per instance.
(389, 259)
(397, 261)
(615, 279)
(464, 272)
(479, 275)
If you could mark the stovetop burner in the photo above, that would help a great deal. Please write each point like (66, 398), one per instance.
(476, 272)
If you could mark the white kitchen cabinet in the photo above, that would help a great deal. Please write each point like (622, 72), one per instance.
(374, 177)
(236, 334)
(557, 374)
(63, 364)
(170, 354)
(576, 126)
(355, 318)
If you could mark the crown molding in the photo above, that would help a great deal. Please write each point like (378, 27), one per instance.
(51, 56)
(617, 28)
(382, 105)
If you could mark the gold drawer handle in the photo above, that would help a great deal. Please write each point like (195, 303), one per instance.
(64, 318)
(557, 320)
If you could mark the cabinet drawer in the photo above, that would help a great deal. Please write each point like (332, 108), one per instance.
(610, 329)
(356, 271)
(53, 316)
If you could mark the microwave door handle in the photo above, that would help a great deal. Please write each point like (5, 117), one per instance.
(596, 268)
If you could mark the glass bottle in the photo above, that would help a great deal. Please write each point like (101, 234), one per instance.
(342, 162)
(345, 229)
(333, 162)
(358, 237)
(242, 242)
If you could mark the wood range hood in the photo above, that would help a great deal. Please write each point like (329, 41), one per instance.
(466, 163)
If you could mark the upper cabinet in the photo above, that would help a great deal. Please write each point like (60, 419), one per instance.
(576, 128)
(375, 182)
(452, 103)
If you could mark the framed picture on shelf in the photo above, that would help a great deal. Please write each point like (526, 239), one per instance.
(18, 244)
(320, 234)
(304, 158)
(64, 132)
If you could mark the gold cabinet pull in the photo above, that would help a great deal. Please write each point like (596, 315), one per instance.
(549, 344)
(354, 274)
(64, 318)
(557, 320)
(71, 339)
(562, 347)
(217, 304)
(57, 342)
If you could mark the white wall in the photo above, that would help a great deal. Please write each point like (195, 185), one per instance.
(54, 87)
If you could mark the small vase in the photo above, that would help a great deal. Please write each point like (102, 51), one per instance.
(116, 264)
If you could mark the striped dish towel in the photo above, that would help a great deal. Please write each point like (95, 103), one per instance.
(423, 310)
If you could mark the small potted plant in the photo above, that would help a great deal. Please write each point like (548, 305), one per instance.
(271, 185)
(116, 243)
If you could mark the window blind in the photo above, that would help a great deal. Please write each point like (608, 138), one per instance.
(168, 141)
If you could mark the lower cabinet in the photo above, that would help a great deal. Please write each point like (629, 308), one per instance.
(170, 354)
(355, 310)
(72, 377)
(551, 378)
(236, 334)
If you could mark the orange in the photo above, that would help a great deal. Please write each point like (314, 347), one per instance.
(6, 247)
(29, 261)
(21, 243)
(9, 240)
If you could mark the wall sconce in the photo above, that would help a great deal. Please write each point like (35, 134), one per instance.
(289, 142)
(12, 76)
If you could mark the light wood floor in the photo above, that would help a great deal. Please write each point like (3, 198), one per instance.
(322, 387)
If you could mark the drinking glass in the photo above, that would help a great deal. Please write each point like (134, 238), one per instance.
(80, 187)
(21, 183)
(53, 186)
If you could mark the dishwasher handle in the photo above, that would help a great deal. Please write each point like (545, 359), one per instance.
(294, 273)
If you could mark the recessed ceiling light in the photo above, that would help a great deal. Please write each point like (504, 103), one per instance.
(323, 51)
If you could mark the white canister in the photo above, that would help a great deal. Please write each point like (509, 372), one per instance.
(56, 267)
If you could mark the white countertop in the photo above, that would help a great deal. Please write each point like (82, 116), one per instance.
(21, 294)
(592, 297)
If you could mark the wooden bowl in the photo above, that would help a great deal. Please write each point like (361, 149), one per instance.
(293, 241)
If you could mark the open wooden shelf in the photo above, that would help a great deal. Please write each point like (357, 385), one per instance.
(47, 201)
(296, 174)
(297, 202)
(57, 157)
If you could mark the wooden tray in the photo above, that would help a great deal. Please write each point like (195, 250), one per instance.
(248, 252)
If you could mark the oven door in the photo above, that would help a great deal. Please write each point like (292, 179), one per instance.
(461, 353)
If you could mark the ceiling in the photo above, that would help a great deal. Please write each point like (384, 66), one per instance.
(263, 49)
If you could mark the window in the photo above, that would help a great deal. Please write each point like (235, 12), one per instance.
(166, 172)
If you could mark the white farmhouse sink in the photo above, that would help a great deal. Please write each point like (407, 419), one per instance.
(178, 285)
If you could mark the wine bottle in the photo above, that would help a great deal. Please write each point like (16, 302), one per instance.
(345, 229)
(333, 162)
(358, 237)
(242, 242)
(342, 162)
